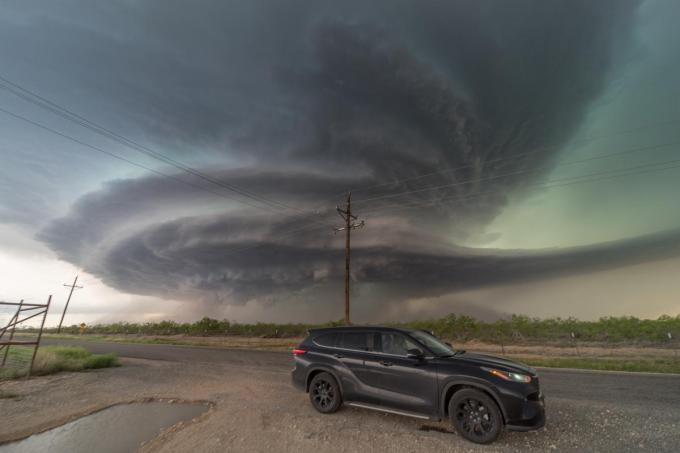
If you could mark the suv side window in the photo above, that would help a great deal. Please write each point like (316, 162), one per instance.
(396, 344)
(358, 341)
(329, 340)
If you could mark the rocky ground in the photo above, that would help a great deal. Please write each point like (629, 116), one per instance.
(256, 410)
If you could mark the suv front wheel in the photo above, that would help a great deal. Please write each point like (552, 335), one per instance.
(475, 416)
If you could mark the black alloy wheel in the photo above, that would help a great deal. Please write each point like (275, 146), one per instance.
(475, 416)
(324, 393)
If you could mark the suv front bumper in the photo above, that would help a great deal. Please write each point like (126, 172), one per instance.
(533, 416)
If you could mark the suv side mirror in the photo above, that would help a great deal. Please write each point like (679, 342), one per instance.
(415, 354)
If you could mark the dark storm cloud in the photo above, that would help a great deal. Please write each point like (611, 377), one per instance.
(100, 216)
(473, 88)
(454, 85)
(240, 259)
(307, 91)
(390, 89)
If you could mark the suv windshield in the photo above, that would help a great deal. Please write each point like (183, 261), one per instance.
(433, 344)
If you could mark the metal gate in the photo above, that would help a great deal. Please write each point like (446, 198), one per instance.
(22, 312)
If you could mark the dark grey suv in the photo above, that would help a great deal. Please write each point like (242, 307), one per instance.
(411, 372)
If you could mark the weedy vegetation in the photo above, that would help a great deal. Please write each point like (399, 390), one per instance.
(53, 359)
(555, 342)
(656, 365)
(517, 329)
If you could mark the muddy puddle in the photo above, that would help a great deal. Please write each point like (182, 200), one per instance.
(120, 428)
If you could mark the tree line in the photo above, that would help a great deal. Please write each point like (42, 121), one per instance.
(452, 327)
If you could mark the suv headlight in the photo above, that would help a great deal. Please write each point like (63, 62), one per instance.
(509, 376)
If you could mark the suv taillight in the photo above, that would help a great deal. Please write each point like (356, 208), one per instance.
(298, 351)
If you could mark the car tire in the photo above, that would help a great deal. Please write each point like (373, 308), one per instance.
(476, 416)
(324, 393)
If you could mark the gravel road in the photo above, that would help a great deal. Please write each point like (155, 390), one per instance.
(256, 409)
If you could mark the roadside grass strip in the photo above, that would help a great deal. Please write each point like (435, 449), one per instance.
(667, 364)
(657, 365)
(54, 359)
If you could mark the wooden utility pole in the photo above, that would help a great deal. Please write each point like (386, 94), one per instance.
(73, 286)
(350, 224)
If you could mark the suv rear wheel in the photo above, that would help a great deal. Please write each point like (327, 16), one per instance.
(324, 393)
(475, 416)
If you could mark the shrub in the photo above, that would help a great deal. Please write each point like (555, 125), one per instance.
(518, 328)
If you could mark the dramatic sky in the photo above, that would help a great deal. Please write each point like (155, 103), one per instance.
(185, 158)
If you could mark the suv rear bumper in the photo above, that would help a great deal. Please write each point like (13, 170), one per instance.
(297, 378)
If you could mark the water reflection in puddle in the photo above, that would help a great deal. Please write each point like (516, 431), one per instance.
(117, 429)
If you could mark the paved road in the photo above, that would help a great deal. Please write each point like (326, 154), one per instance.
(653, 391)
(257, 411)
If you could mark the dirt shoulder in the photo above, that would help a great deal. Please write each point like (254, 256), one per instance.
(257, 410)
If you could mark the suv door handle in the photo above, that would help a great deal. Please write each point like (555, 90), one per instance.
(338, 355)
(385, 363)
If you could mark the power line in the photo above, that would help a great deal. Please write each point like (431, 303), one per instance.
(527, 153)
(174, 178)
(529, 170)
(65, 113)
(73, 117)
(571, 181)
(545, 185)
(286, 233)
(69, 115)
(115, 156)
(279, 236)
(583, 179)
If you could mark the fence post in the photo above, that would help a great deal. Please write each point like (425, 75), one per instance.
(670, 343)
(37, 345)
(573, 337)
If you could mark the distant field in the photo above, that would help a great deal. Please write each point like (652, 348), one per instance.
(230, 342)
(650, 365)
(613, 343)
(592, 356)
(663, 331)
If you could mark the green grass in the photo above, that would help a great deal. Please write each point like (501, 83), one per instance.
(8, 395)
(189, 340)
(53, 359)
(119, 338)
(656, 365)
(140, 339)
